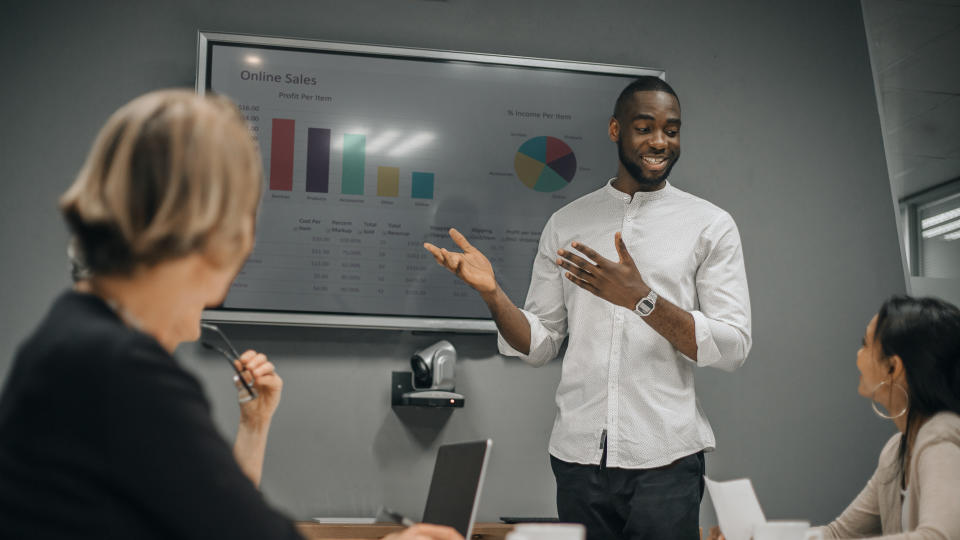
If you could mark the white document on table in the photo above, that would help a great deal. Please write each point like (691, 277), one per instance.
(737, 507)
(345, 520)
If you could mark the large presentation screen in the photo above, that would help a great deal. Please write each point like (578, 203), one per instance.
(370, 151)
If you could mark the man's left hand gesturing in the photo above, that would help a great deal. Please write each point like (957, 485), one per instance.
(617, 282)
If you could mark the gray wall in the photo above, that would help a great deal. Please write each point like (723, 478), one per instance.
(780, 128)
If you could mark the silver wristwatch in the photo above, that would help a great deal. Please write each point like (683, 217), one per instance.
(646, 304)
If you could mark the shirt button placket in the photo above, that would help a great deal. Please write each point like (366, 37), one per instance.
(613, 384)
(613, 366)
(613, 376)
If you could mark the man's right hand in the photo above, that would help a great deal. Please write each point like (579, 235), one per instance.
(471, 266)
(475, 270)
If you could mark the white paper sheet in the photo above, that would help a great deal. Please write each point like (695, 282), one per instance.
(737, 507)
(345, 520)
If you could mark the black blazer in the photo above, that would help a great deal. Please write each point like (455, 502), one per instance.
(104, 435)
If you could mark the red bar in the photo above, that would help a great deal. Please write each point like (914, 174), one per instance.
(281, 155)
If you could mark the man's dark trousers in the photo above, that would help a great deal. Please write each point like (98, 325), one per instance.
(632, 504)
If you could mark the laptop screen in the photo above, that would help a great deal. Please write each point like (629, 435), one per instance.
(455, 486)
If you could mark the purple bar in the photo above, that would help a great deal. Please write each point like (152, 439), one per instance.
(318, 160)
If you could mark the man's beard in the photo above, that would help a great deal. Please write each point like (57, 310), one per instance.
(636, 171)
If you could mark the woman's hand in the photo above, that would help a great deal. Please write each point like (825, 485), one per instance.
(255, 414)
(424, 531)
(715, 534)
(262, 376)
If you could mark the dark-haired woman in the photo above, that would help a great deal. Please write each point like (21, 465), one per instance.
(910, 366)
(910, 370)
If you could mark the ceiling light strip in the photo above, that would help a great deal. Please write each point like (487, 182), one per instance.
(940, 218)
(937, 231)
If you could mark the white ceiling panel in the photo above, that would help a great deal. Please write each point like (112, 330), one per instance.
(934, 67)
(902, 106)
(918, 173)
(933, 133)
(877, 12)
(915, 53)
(898, 40)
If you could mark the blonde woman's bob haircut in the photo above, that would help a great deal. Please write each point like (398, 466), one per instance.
(171, 174)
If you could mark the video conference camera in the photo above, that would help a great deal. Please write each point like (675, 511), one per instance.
(433, 367)
(433, 377)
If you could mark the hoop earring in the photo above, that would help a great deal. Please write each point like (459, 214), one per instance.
(873, 401)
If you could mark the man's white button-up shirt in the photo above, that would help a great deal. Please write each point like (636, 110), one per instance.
(619, 376)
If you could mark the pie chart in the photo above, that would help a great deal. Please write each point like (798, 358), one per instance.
(545, 164)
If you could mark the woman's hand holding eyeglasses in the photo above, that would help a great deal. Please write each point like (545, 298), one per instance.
(255, 414)
(262, 376)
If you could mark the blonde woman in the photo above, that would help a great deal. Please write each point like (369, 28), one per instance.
(102, 433)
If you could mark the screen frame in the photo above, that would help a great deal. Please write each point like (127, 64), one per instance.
(205, 42)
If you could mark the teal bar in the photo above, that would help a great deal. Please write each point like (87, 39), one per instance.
(422, 185)
(354, 156)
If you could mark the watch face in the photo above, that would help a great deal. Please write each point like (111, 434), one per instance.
(646, 306)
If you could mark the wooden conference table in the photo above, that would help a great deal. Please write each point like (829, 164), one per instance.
(324, 531)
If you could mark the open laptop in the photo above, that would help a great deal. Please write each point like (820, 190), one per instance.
(455, 487)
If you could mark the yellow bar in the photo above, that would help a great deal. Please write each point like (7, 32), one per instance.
(388, 181)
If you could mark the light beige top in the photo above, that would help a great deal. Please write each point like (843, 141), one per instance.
(934, 484)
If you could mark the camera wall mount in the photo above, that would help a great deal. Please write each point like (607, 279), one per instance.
(402, 394)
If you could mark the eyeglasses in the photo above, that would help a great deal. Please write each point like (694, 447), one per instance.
(230, 353)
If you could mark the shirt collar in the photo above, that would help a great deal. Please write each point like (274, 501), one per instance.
(639, 196)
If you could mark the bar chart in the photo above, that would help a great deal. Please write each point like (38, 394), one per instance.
(372, 161)
(322, 164)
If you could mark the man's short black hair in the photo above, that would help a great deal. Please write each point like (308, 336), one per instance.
(646, 83)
